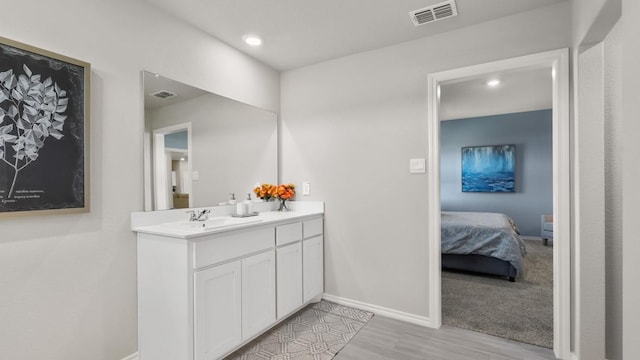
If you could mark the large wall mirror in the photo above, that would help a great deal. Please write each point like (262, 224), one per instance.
(201, 147)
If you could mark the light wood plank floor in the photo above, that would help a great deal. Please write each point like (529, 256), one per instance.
(388, 339)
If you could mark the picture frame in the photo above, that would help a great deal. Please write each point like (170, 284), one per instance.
(489, 168)
(44, 131)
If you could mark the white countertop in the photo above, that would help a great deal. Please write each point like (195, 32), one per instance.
(163, 225)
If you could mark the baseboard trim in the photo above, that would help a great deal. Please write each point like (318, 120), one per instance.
(379, 310)
(133, 356)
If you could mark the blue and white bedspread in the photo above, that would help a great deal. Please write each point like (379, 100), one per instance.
(482, 233)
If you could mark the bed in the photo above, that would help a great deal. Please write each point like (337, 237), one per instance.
(482, 242)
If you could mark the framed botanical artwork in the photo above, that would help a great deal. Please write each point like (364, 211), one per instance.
(488, 168)
(44, 131)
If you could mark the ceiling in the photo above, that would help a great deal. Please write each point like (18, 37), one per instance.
(297, 33)
(154, 83)
(518, 91)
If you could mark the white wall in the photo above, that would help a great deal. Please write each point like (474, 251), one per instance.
(68, 282)
(585, 13)
(350, 126)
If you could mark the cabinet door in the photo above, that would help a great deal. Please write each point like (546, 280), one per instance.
(217, 315)
(313, 262)
(289, 274)
(258, 293)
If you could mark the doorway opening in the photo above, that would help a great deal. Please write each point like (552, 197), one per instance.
(172, 182)
(556, 62)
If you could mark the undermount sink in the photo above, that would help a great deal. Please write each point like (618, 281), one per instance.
(214, 223)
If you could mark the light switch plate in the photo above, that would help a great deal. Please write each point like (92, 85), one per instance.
(306, 188)
(417, 166)
(195, 176)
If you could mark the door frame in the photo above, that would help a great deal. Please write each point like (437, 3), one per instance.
(159, 179)
(558, 62)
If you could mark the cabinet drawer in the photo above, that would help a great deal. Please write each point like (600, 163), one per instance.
(225, 247)
(288, 233)
(312, 228)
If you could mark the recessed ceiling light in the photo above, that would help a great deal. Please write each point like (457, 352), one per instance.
(253, 40)
(493, 83)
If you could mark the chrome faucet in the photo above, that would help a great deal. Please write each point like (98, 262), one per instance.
(201, 215)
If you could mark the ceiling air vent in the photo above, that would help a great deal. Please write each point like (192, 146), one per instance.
(434, 13)
(163, 94)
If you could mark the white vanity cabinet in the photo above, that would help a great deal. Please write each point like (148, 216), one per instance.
(202, 296)
(258, 293)
(233, 303)
(289, 258)
(313, 259)
(300, 259)
(218, 310)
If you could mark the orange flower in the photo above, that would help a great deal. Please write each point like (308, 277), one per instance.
(286, 191)
(268, 191)
(265, 191)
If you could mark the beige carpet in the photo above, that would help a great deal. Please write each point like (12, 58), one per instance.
(318, 332)
(521, 311)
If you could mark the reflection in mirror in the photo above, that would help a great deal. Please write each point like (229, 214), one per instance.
(200, 147)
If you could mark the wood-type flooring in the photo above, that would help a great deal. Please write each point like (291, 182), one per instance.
(388, 339)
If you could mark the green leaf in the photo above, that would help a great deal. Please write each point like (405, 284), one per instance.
(27, 70)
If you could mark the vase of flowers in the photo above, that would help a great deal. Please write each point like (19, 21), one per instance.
(266, 192)
(285, 192)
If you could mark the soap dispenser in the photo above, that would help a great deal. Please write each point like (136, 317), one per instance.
(232, 200)
(249, 204)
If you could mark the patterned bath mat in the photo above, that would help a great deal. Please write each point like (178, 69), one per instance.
(317, 332)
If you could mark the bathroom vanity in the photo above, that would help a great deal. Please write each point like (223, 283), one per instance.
(207, 288)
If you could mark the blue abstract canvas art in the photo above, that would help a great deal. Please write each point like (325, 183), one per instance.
(488, 168)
